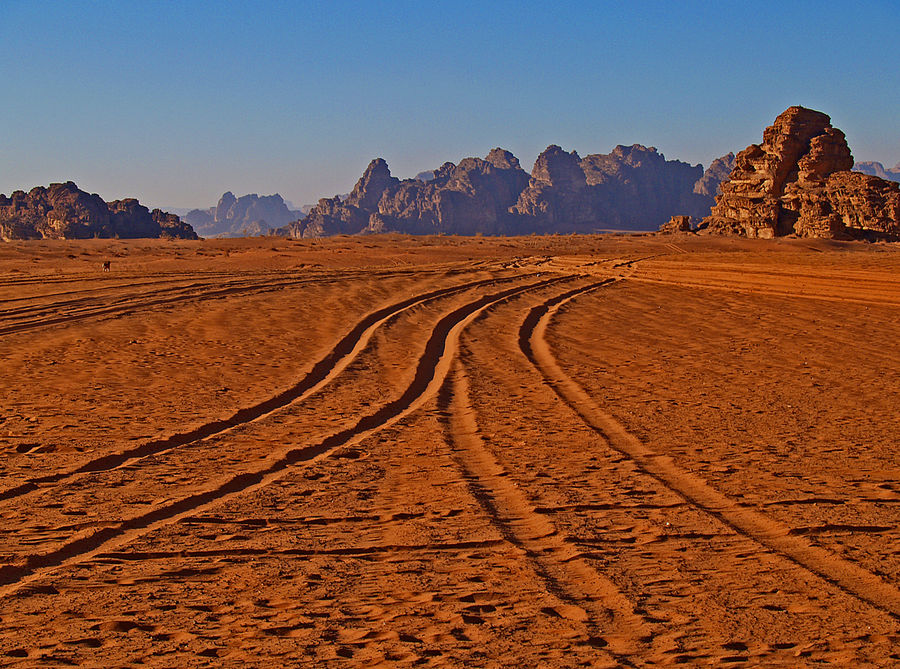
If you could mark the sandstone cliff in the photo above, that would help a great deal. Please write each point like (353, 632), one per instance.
(630, 188)
(63, 211)
(798, 182)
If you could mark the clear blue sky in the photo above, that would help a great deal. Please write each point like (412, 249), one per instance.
(175, 102)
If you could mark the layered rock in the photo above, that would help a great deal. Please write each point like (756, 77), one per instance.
(63, 211)
(798, 182)
(248, 215)
(876, 169)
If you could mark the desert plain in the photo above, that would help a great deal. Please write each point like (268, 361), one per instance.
(607, 450)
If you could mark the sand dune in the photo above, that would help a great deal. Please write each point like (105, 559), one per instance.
(559, 451)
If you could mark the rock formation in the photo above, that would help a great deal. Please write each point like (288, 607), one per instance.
(248, 215)
(63, 211)
(469, 198)
(876, 169)
(676, 224)
(798, 182)
(716, 173)
(631, 188)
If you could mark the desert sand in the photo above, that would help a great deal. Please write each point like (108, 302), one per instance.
(544, 451)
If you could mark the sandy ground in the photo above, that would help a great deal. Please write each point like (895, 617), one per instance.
(561, 451)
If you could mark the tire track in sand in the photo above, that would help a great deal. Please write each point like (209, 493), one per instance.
(36, 316)
(323, 372)
(587, 594)
(132, 303)
(432, 367)
(771, 534)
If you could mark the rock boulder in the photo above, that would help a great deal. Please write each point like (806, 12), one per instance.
(798, 182)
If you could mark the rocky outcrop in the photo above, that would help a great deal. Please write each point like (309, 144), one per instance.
(876, 169)
(63, 211)
(469, 198)
(866, 206)
(248, 215)
(715, 174)
(798, 182)
(375, 181)
(631, 188)
(675, 225)
(557, 197)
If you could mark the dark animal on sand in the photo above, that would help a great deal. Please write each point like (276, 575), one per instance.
(106, 264)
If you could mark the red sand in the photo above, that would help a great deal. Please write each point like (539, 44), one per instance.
(561, 451)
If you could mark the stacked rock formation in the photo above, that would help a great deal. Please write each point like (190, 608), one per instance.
(63, 211)
(798, 182)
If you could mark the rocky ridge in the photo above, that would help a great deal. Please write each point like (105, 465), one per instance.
(799, 182)
(632, 188)
(64, 211)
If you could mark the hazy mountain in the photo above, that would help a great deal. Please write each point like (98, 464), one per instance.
(876, 169)
(248, 215)
(632, 188)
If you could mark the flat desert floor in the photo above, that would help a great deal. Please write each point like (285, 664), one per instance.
(388, 451)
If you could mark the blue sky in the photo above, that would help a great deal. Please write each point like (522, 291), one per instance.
(176, 102)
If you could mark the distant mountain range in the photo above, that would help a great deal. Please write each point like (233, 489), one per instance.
(631, 188)
(876, 169)
(245, 216)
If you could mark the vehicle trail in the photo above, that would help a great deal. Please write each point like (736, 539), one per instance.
(766, 531)
(610, 615)
(432, 367)
(323, 372)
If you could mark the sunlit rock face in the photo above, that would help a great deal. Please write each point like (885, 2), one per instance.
(798, 182)
(64, 211)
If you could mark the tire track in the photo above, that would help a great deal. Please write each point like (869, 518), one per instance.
(214, 291)
(765, 531)
(103, 296)
(104, 286)
(556, 561)
(753, 290)
(96, 290)
(322, 373)
(357, 551)
(432, 367)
